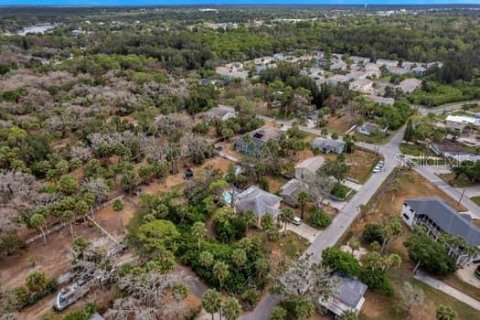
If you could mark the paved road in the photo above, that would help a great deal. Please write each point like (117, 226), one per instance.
(429, 174)
(445, 288)
(342, 221)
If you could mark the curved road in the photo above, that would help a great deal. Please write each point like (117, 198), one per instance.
(344, 218)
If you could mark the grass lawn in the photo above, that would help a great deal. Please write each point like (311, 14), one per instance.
(415, 150)
(360, 162)
(454, 182)
(374, 139)
(290, 245)
(476, 200)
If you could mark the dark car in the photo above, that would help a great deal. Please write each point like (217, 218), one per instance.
(477, 272)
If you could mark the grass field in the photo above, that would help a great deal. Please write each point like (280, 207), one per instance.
(415, 150)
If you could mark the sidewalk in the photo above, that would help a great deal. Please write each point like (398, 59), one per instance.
(452, 292)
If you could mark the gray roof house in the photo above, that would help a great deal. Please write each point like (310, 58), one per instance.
(328, 145)
(257, 139)
(221, 112)
(348, 294)
(437, 217)
(308, 167)
(259, 201)
(369, 129)
(291, 190)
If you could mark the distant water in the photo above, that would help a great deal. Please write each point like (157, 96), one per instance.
(227, 2)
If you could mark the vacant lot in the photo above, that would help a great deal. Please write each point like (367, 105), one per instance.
(338, 125)
(360, 162)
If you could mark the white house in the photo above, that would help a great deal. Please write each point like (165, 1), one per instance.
(437, 217)
(362, 85)
(459, 123)
(221, 112)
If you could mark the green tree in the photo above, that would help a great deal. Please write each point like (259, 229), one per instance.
(231, 308)
(302, 201)
(221, 272)
(36, 281)
(206, 259)
(239, 257)
(341, 261)
(286, 216)
(267, 222)
(278, 313)
(39, 222)
(249, 219)
(354, 244)
(409, 131)
(199, 232)
(445, 313)
(304, 308)
(68, 185)
(349, 315)
(212, 301)
(156, 235)
(392, 228)
(429, 254)
(118, 206)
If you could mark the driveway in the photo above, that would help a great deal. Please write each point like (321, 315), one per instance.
(467, 274)
(304, 231)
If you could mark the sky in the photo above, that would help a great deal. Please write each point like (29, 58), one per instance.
(227, 2)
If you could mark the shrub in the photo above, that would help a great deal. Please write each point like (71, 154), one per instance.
(341, 261)
(320, 219)
(373, 233)
(377, 280)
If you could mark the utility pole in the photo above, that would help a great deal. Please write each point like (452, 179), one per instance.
(461, 197)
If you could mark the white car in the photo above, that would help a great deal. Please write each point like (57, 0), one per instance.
(297, 221)
(377, 169)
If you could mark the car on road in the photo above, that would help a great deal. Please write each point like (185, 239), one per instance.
(297, 221)
(377, 169)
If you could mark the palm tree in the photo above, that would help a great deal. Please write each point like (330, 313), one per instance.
(206, 259)
(239, 257)
(392, 228)
(231, 308)
(302, 201)
(68, 216)
(445, 313)
(81, 209)
(304, 308)
(199, 232)
(354, 244)
(212, 301)
(249, 219)
(286, 216)
(278, 313)
(267, 222)
(262, 265)
(118, 206)
(39, 222)
(221, 272)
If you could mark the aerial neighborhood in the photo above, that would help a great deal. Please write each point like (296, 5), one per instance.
(235, 163)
